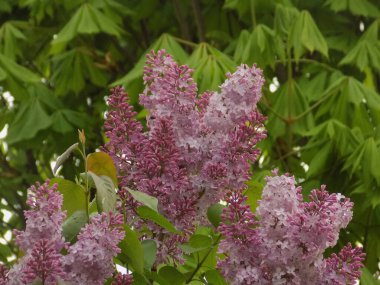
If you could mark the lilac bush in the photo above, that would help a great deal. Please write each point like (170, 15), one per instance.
(195, 151)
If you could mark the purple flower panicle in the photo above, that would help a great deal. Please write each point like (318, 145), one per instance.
(42, 240)
(344, 267)
(44, 264)
(89, 260)
(285, 243)
(44, 220)
(196, 148)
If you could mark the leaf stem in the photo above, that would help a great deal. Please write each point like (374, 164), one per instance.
(308, 60)
(274, 111)
(87, 192)
(181, 20)
(182, 41)
(290, 95)
(199, 265)
(199, 20)
(253, 13)
(366, 233)
(316, 104)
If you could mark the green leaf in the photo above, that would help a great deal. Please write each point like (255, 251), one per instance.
(150, 251)
(171, 275)
(64, 156)
(145, 199)
(60, 123)
(214, 277)
(366, 52)
(306, 35)
(5, 252)
(72, 226)
(284, 19)
(356, 7)
(101, 163)
(166, 42)
(17, 71)
(290, 106)
(213, 214)
(372, 250)
(371, 161)
(197, 243)
(9, 40)
(258, 47)
(253, 194)
(30, 119)
(72, 68)
(86, 20)
(131, 247)
(149, 214)
(210, 66)
(105, 192)
(319, 161)
(74, 198)
(365, 157)
(76, 118)
(367, 278)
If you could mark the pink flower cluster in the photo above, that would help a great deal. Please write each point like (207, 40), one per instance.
(88, 261)
(196, 148)
(284, 244)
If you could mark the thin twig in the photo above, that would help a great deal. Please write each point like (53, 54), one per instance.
(308, 60)
(181, 20)
(185, 42)
(202, 261)
(253, 13)
(199, 20)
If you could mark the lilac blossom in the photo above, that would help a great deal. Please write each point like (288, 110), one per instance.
(123, 279)
(285, 243)
(89, 260)
(41, 241)
(44, 220)
(196, 148)
(344, 267)
(43, 263)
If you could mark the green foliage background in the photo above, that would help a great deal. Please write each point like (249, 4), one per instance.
(321, 60)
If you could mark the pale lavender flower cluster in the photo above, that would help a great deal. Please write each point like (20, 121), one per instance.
(197, 147)
(284, 244)
(42, 239)
(88, 261)
(44, 220)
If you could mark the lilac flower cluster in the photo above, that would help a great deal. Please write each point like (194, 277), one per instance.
(284, 244)
(196, 148)
(122, 279)
(88, 261)
(42, 239)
